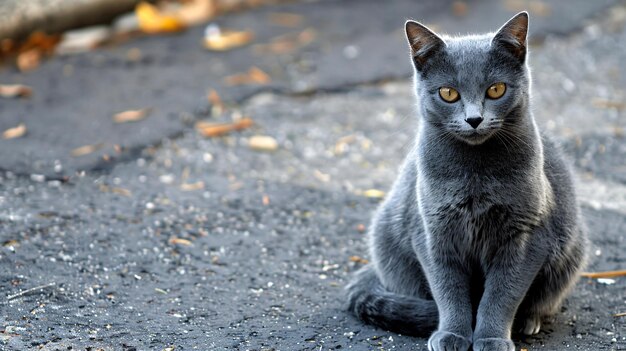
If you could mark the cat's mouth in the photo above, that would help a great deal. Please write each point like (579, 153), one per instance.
(475, 137)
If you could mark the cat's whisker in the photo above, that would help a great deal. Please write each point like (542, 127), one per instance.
(517, 136)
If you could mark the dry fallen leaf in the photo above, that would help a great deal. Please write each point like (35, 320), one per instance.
(287, 43)
(179, 241)
(197, 11)
(86, 149)
(540, 8)
(134, 55)
(115, 190)
(459, 8)
(358, 259)
(30, 52)
(608, 104)
(258, 76)
(263, 143)
(254, 76)
(223, 40)
(15, 132)
(623, 314)
(121, 191)
(536, 7)
(11, 243)
(341, 146)
(374, 193)
(185, 174)
(7, 46)
(152, 20)
(83, 39)
(321, 176)
(608, 274)
(131, 115)
(219, 129)
(15, 90)
(214, 98)
(28, 60)
(515, 5)
(285, 19)
(199, 185)
(41, 41)
(217, 106)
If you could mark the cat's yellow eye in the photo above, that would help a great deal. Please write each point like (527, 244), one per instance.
(496, 91)
(448, 94)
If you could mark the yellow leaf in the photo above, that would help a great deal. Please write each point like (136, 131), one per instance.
(151, 20)
(14, 132)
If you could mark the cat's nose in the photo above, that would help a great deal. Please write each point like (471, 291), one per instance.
(474, 121)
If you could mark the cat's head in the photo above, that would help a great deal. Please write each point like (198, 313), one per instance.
(471, 87)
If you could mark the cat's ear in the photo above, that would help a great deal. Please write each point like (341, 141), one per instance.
(512, 36)
(423, 42)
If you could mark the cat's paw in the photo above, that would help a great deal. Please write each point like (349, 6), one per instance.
(446, 341)
(532, 325)
(493, 344)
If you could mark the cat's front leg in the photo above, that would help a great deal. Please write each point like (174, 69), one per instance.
(511, 272)
(449, 281)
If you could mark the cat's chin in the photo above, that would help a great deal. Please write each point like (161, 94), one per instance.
(474, 138)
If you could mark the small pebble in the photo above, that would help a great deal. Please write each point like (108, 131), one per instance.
(606, 281)
(39, 178)
(263, 143)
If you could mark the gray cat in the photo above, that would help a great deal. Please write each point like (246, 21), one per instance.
(481, 233)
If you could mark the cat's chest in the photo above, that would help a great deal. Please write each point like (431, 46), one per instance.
(471, 210)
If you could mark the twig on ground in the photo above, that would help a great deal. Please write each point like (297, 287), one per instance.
(623, 314)
(609, 274)
(28, 291)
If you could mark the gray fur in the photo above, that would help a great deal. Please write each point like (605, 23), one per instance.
(482, 228)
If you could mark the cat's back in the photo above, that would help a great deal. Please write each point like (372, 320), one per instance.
(558, 171)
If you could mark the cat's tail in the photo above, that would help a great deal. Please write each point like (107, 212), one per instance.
(370, 302)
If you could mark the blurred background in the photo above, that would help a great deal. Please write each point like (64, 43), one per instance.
(201, 173)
